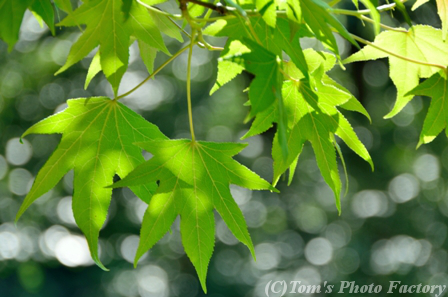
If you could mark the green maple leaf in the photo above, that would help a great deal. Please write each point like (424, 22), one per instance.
(274, 40)
(97, 142)
(268, 10)
(442, 10)
(194, 179)
(267, 81)
(11, 15)
(264, 120)
(107, 27)
(312, 115)
(421, 43)
(316, 15)
(316, 122)
(437, 118)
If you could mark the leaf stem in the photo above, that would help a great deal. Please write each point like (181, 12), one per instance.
(357, 38)
(190, 113)
(364, 18)
(358, 13)
(154, 73)
(159, 11)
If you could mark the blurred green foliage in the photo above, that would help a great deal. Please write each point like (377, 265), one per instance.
(393, 224)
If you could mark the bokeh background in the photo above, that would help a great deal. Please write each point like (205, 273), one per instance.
(393, 224)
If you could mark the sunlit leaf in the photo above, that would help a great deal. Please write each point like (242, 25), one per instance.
(194, 179)
(422, 43)
(97, 142)
(437, 118)
(106, 27)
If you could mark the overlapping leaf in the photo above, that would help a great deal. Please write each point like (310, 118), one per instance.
(194, 179)
(317, 16)
(312, 115)
(264, 120)
(107, 27)
(11, 15)
(437, 118)
(274, 40)
(442, 10)
(97, 142)
(316, 122)
(421, 43)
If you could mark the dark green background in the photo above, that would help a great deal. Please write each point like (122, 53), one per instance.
(393, 224)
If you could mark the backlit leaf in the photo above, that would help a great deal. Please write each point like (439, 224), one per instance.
(97, 142)
(421, 43)
(437, 118)
(106, 27)
(194, 179)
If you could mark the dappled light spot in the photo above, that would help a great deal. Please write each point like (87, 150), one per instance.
(389, 255)
(427, 167)
(404, 188)
(240, 194)
(375, 74)
(255, 213)
(49, 239)
(308, 275)
(224, 234)
(254, 147)
(319, 251)
(9, 245)
(18, 153)
(128, 248)
(72, 251)
(369, 203)
(338, 233)
(310, 219)
(125, 283)
(268, 256)
(19, 181)
(65, 212)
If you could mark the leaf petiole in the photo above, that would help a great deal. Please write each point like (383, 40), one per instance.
(159, 11)
(152, 74)
(190, 113)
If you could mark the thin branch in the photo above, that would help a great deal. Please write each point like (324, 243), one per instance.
(219, 8)
(358, 13)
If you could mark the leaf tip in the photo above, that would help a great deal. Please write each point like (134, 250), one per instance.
(98, 263)
(203, 284)
(273, 189)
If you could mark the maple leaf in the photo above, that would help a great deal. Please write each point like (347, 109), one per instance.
(268, 10)
(194, 179)
(311, 115)
(264, 120)
(274, 42)
(421, 43)
(97, 142)
(316, 14)
(316, 122)
(437, 117)
(107, 27)
(11, 15)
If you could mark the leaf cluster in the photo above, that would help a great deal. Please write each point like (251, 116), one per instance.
(291, 92)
